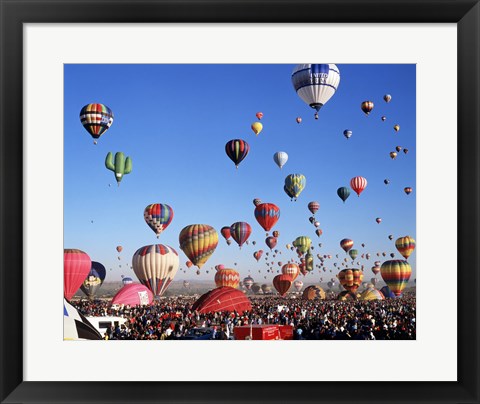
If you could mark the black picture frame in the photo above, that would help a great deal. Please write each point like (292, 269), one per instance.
(14, 13)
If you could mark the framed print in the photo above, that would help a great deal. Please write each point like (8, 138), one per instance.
(197, 109)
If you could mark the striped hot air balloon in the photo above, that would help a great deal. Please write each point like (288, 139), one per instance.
(76, 266)
(302, 243)
(96, 119)
(350, 279)
(405, 246)
(358, 184)
(367, 107)
(227, 277)
(396, 274)
(158, 216)
(313, 292)
(372, 294)
(282, 284)
(313, 207)
(346, 244)
(198, 242)
(240, 232)
(267, 215)
(155, 266)
(291, 269)
(237, 150)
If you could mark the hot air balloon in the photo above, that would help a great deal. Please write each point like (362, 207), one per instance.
(189, 264)
(280, 158)
(94, 280)
(257, 128)
(347, 133)
(313, 207)
(96, 119)
(258, 254)
(259, 115)
(267, 215)
(248, 282)
(367, 107)
(256, 288)
(299, 120)
(186, 284)
(313, 292)
(393, 155)
(126, 280)
(257, 201)
(198, 242)
(387, 292)
(358, 184)
(386, 181)
(76, 266)
(396, 128)
(225, 231)
(316, 223)
(120, 166)
(266, 288)
(396, 274)
(237, 150)
(271, 242)
(318, 232)
(275, 234)
(291, 269)
(158, 216)
(155, 266)
(375, 269)
(282, 283)
(315, 84)
(346, 244)
(220, 266)
(240, 232)
(405, 246)
(309, 264)
(302, 243)
(372, 294)
(387, 97)
(343, 193)
(378, 220)
(298, 285)
(294, 185)
(227, 277)
(350, 279)
(119, 248)
(398, 148)
(133, 294)
(222, 299)
(384, 118)
(353, 254)
(408, 190)
(405, 151)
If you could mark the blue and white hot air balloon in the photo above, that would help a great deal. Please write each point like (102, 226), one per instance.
(280, 158)
(315, 84)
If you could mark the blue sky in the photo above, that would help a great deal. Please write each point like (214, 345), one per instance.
(174, 121)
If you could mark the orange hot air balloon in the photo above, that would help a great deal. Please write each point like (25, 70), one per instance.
(405, 246)
(227, 277)
(350, 279)
(408, 190)
(291, 269)
(358, 184)
(119, 248)
(396, 274)
(346, 244)
(282, 284)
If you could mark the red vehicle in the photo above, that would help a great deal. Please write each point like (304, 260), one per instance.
(263, 332)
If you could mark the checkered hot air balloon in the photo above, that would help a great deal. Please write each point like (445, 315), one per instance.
(158, 216)
(198, 242)
(96, 119)
(291, 269)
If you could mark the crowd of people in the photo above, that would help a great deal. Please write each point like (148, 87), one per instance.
(173, 318)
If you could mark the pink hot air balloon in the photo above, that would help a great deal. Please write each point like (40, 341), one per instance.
(133, 294)
(259, 115)
(378, 220)
(76, 267)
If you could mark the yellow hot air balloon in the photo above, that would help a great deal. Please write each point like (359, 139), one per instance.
(405, 246)
(396, 128)
(198, 242)
(257, 128)
(396, 274)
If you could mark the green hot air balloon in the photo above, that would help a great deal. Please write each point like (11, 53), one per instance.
(303, 243)
(343, 193)
(121, 166)
(353, 254)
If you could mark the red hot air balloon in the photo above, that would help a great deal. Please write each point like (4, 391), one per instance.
(119, 248)
(346, 244)
(76, 267)
(240, 232)
(291, 269)
(225, 232)
(282, 283)
(259, 115)
(313, 207)
(350, 279)
(267, 215)
(271, 242)
(258, 254)
(358, 184)
(408, 190)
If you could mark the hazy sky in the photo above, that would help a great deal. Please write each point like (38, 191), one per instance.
(174, 121)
